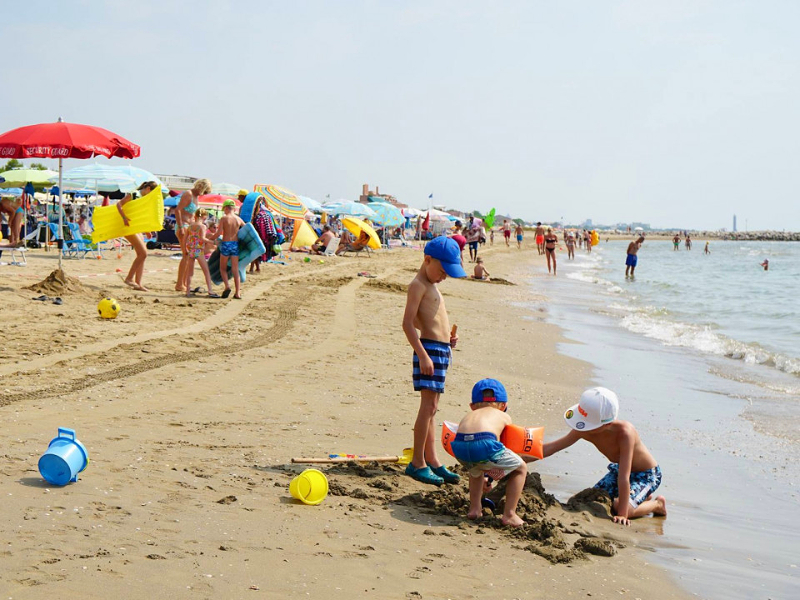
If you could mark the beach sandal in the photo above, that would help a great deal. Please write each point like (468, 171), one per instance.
(447, 475)
(226, 293)
(214, 295)
(42, 298)
(196, 290)
(58, 301)
(423, 475)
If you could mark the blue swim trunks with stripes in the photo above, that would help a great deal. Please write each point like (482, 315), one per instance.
(440, 355)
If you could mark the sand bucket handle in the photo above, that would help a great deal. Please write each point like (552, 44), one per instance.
(65, 432)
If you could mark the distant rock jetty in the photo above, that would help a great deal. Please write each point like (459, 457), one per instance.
(761, 236)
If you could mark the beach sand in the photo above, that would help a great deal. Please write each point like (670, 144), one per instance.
(191, 410)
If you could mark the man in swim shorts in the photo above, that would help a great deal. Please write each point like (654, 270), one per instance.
(539, 237)
(507, 232)
(632, 259)
(323, 241)
(427, 329)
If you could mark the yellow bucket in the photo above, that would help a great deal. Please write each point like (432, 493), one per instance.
(310, 487)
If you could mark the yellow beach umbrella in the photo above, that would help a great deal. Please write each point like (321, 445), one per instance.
(356, 226)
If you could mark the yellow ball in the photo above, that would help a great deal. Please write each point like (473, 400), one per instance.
(108, 308)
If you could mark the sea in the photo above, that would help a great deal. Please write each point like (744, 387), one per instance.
(703, 350)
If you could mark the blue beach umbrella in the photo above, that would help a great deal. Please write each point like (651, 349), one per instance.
(311, 204)
(346, 207)
(386, 214)
(108, 178)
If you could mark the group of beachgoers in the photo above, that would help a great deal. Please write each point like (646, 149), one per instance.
(633, 475)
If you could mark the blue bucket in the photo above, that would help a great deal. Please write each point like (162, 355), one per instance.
(64, 459)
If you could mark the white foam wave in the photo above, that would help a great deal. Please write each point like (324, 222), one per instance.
(705, 339)
(589, 278)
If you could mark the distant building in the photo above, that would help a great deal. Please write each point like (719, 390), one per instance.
(368, 195)
(177, 182)
(587, 224)
(734, 223)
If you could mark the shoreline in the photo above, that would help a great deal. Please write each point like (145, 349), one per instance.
(312, 361)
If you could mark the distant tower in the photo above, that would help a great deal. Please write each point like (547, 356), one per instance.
(734, 223)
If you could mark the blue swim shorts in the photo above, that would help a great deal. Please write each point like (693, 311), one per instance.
(482, 454)
(519, 238)
(631, 260)
(440, 355)
(229, 248)
(643, 483)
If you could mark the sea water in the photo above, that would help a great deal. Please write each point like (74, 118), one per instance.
(704, 352)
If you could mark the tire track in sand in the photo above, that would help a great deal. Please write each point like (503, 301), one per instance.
(286, 315)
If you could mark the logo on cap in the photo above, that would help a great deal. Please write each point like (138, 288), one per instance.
(569, 414)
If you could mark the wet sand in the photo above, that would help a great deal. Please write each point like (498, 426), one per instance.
(191, 410)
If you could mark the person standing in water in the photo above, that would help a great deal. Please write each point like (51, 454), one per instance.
(706, 250)
(633, 256)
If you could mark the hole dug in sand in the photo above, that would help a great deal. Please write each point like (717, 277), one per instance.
(543, 533)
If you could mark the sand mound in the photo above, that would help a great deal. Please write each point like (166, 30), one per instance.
(58, 283)
(542, 534)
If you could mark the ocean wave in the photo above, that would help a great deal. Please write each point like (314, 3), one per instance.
(705, 339)
(589, 278)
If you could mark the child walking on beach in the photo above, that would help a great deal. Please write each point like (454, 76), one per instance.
(229, 225)
(633, 475)
(425, 311)
(195, 247)
(478, 449)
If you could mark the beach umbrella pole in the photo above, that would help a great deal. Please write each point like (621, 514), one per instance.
(60, 213)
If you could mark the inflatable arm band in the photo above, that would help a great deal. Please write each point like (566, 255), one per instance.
(522, 440)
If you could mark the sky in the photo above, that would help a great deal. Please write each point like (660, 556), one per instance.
(677, 114)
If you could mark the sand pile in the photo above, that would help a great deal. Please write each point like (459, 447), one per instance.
(543, 534)
(58, 283)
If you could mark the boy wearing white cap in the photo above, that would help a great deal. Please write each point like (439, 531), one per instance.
(633, 474)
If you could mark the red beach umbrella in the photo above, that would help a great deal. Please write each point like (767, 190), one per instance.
(215, 201)
(64, 140)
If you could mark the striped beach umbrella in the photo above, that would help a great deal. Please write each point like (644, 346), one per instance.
(282, 201)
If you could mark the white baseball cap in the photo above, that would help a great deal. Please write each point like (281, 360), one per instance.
(597, 407)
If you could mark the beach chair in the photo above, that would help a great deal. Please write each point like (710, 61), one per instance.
(78, 246)
(331, 249)
(356, 249)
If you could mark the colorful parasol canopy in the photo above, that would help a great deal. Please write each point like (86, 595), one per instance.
(356, 226)
(215, 201)
(282, 201)
(348, 207)
(386, 214)
(22, 176)
(64, 140)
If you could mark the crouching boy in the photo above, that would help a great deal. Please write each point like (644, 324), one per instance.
(633, 475)
(477, 447)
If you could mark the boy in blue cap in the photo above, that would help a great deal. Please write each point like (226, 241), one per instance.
(425, 311)
(478, 448)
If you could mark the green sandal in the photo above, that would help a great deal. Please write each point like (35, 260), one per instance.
(423, 475)
(447, 475)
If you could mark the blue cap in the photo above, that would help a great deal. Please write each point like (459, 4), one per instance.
(447, 252)
(489, 384)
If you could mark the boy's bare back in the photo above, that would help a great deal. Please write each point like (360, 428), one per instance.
(229, 227)
(488, 419)
(614, 439)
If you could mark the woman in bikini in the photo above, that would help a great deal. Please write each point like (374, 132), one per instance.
(184, 216)
(13, 209)
(134, 278)
(550, 243)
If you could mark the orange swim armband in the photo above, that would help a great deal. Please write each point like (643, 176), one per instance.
(522, 440)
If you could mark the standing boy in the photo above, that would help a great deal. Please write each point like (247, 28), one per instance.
(633, 256)
(229, 226)
(633, 474)
(425, 311)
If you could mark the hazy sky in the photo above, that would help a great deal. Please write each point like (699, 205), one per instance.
(676, 113)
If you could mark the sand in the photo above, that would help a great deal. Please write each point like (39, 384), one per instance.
(192, 408)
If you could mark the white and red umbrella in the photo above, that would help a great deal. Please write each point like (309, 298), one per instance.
(64, 140)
